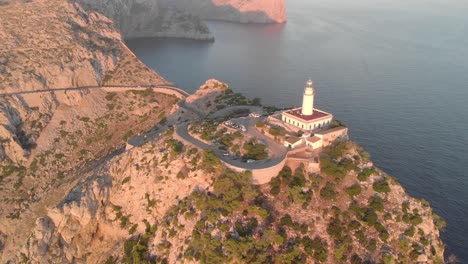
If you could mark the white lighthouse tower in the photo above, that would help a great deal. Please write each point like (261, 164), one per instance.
(308, 100)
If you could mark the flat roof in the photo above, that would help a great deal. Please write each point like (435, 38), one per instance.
(314, 139)
(315, 115)
(292, 140)
(331, 130)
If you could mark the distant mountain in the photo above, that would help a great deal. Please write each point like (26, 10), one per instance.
(147, 18)
(243, 11)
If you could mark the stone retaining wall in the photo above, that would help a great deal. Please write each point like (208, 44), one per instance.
(260, 176)
(168, 91)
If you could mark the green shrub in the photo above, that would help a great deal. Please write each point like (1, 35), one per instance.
(381, 186)
(328, 192)
(255, 151)
(128, 135)
(337, 150)
(210, 162)
(404, 244)
(370, 217)
(364, 174)
(337, 170)
(439, 222)
(416, 220)
(133, 229)
(277, 131)
(336, 123)
(125, 180)
(376, 203)
(275, 185)
(405, 207)
(336, 228)
(176, 147)
(315, 247)
(286, 220)
(372, 245)
(110, 96)
(354, 190)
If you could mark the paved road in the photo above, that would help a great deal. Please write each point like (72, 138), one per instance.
(171, 87)
(279, 152)
(225, 111)
(43, 48)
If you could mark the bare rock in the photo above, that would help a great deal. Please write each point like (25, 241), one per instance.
(250, 11)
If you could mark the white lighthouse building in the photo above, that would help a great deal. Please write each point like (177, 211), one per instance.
(308, 99)
(307, 118)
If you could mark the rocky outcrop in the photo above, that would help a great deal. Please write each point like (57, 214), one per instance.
(203, 100)
(99, 213)
(146, 18)
(60, 45)
(148, 189)
(243, 11)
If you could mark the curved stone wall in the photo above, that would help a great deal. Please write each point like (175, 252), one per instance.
(260, 176)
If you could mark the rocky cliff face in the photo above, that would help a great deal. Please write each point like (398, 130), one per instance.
(115, 201)
(243, 11)
(146, 18)
(171, 202)
(59, 46)
(167, 201)
(70, 193)
(46, 133)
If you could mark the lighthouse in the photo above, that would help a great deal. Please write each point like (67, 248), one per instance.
(308, 99)
(307, 118)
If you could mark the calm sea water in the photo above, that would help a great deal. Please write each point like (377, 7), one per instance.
(396, 72)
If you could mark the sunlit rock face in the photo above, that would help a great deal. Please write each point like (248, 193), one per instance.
(243, 11)
(146, 18)
(131, 17)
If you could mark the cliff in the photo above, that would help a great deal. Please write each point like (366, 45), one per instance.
(71, 193)
(243, 11)
(55, 117)
(59, 46)
(146, 18)
(169, 201)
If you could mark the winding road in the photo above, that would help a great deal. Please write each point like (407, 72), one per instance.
(123, 87)
(278, 151)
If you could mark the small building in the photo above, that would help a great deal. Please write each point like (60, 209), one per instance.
(307, 118)
(314, 142)
(293, 142)
(330, 135)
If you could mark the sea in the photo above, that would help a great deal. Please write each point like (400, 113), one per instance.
(394, 71)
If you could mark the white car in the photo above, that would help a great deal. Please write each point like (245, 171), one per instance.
(255, 115)
(250, 161)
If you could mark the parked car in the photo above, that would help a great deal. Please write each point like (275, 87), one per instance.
(250, 161)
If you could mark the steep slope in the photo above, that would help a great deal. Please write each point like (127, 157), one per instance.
(243, 11)
(168, 201)
(146, 18)
(53, 127)
(58, 46)
(181, 205)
